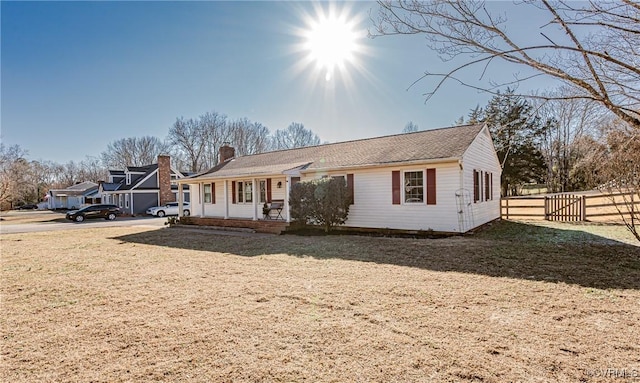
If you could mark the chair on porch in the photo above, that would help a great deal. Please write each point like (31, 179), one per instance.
(275, 206)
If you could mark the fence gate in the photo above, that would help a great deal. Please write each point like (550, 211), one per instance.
(564, 207)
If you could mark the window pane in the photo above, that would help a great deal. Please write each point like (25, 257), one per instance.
(240, 194)
(263, 191)
(248, 192)
(207, 193)
(413, 187)
(340, 177)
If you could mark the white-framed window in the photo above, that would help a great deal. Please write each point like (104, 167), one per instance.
(126, 201)
(128, 178)
(414, 187)
(263, 191)
(245, 192)
(207, 193)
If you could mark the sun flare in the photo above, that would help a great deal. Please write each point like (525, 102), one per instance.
(331, 42)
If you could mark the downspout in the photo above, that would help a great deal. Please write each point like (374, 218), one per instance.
(461, 215)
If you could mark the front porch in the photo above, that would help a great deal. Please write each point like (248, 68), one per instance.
(261, 226)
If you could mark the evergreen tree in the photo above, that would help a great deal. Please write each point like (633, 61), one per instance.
(514, 128)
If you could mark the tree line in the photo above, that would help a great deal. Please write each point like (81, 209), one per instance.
(192, 143)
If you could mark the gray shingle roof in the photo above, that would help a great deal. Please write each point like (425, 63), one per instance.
(82, 186)
(388, 150)
(86, 187)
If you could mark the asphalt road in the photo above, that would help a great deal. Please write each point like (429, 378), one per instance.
(54, 226)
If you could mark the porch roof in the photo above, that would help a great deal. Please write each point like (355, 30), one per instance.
(263, 170)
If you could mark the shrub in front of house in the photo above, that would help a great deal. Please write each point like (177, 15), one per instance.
(323, 202)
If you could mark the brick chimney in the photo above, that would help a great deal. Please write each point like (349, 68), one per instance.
(164, 180)
(226, 152)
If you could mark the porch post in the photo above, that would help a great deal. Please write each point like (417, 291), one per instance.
(201, 198)
(131, 203)
(180, 198)
(226, 200)
(287, 190)
(254, 189)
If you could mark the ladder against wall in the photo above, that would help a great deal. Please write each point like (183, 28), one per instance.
(465, 213)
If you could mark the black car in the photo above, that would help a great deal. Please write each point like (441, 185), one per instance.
(27, 207)
(109, 212)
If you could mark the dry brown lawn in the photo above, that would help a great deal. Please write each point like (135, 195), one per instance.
(517, 303)
(13, 217)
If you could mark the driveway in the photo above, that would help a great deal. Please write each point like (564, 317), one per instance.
(31, 227)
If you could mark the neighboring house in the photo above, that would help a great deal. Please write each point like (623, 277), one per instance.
(445, 180)
(73, 197)
(137, 188)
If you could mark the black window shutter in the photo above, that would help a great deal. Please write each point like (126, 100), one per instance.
(268, 190)
(431, 186)
(395, 187)
(350, 187)
(476, 186)
(233, 192)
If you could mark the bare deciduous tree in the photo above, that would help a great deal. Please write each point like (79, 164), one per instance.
(619, 170)
(190, 138)
(214, 125)
(14, 169)
(91, 169)
(411, 127)
(590, 46)
(247, 137)
(295, 136)
(134, 151)
(566, 124)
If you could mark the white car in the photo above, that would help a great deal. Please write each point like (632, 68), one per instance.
(169, 209)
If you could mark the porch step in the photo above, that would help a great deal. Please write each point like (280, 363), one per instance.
(215, 228)
(261, 226)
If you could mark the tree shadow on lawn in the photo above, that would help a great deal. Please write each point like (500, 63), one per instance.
(505, 249)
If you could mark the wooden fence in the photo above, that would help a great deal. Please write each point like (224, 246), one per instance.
(592, 207)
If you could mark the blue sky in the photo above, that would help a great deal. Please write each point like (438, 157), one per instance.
(78, 75)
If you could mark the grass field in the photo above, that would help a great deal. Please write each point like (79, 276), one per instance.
(14, 217)
(516, 302)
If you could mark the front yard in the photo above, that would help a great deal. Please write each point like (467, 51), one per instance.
(516, 302)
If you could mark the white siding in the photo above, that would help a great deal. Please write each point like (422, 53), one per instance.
(217, 209)
(196, 199)
(278, 194)
(481, 156)
(373, 201)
